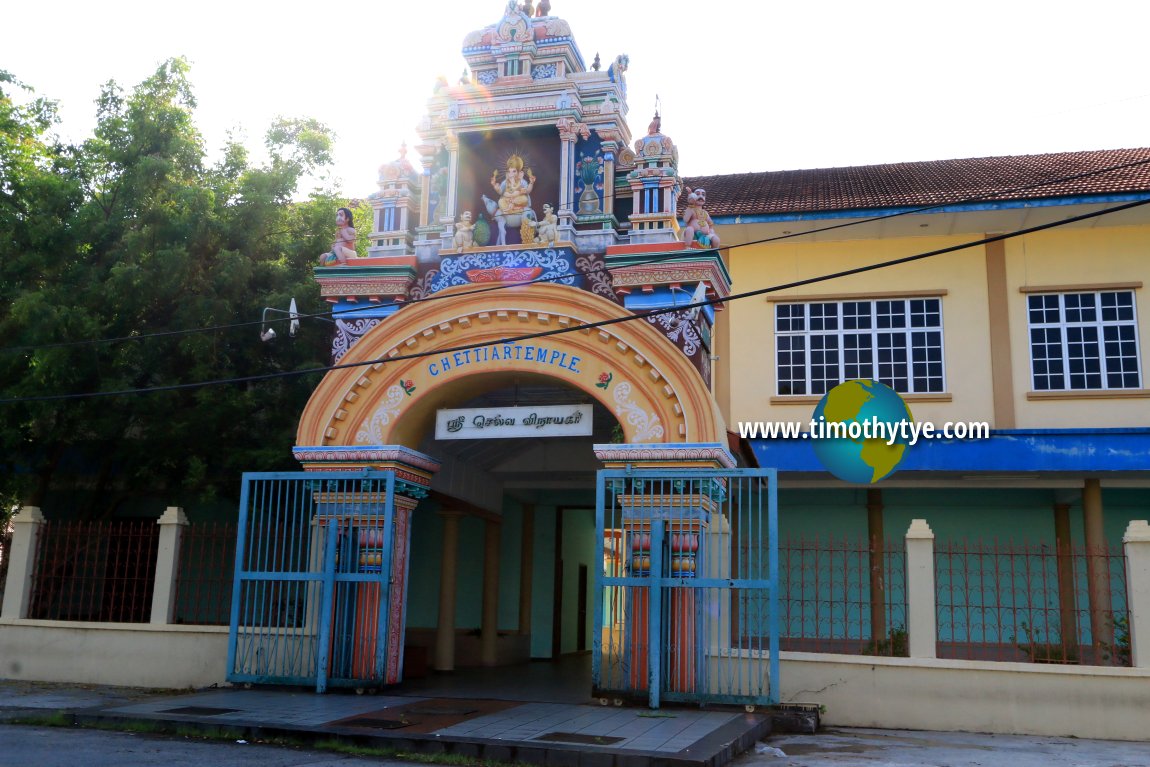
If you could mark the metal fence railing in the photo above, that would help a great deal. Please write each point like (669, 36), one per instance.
(1008, 601)
(207, 560)
(95, 571)
(827, 587)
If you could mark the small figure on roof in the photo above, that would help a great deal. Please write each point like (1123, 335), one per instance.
(595, 64)
(547, 228)
(463, 78)
(527, 8)
(698, 228)
(344, 246)
(464, 232)
(544, 8)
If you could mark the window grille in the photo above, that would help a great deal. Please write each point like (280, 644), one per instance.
(1083, 341)
(897, 342)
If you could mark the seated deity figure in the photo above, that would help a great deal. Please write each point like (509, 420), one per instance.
(698, 228)
(464, 232)
(514, 204)
(344, 246)
(547, 228)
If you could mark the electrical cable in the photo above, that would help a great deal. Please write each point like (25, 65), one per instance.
(568, 275)
(600, 323)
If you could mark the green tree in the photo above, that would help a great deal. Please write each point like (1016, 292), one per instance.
(134, 233)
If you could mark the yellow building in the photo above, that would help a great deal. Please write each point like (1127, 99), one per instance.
(1003, 292)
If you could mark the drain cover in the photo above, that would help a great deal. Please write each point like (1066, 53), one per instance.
(440, 710)
(578, 737)
(199, 711)
(378, 724)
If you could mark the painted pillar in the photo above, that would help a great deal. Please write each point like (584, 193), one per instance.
(489, 626)
(921, 618)
(877, 545)
(566, 157)
(609, 150)
(21, 561)
(526, 567)
(397, 595)
(1097, 570)
(569, 131)
(172, 524)
(427, 154)
(445, 628)
(448, 214)
(382, 603)
(1137, 544)
(667, 529)
(1067, 615)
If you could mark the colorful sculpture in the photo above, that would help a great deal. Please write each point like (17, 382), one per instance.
(344, 246)
(514, 205)
(547, 228)
(698, 228)
(464, 232)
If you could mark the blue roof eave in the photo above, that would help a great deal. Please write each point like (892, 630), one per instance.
(961, 207)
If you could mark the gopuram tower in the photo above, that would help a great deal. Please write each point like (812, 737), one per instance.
(529, 279)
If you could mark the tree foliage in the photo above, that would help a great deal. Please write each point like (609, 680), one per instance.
(132, 233)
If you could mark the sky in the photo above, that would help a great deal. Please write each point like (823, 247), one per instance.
(741, 86)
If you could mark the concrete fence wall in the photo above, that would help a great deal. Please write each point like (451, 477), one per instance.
(925, 692)
(155, 654)
(122, 654)
(921, 691)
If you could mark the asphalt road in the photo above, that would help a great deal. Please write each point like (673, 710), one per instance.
(22, 746)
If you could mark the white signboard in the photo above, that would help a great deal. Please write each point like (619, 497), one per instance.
(504, 422)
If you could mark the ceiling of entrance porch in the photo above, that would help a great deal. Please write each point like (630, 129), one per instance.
(521, 464)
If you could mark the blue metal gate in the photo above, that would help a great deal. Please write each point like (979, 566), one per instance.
(682, 612)
(312, 579)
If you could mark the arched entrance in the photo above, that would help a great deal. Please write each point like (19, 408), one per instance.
(378, 409)
(400, 372)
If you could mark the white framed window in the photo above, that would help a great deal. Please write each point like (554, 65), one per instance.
(1083, 341)
(896, 341)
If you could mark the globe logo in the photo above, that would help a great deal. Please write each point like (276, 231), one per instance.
(857, 431)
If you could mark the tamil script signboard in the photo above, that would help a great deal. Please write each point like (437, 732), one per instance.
(504, 422)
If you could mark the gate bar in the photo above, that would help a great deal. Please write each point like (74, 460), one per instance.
(326, 605)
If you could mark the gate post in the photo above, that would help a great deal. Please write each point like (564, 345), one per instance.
(682, 517)
(921, 621)
(1137, 544)
(22, 556)
(412, 472)
(171, 525)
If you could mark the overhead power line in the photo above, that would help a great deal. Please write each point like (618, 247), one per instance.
(568, 275)
(600, 323)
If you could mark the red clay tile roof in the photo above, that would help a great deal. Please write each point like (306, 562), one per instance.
(1025, 177)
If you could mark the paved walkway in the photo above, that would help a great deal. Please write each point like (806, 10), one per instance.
(857, 747)
(564, 734)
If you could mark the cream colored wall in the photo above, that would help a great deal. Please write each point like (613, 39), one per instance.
(1058, 257)
(965, 320)
(969, 696)
(127, 655)
(1096, 256)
